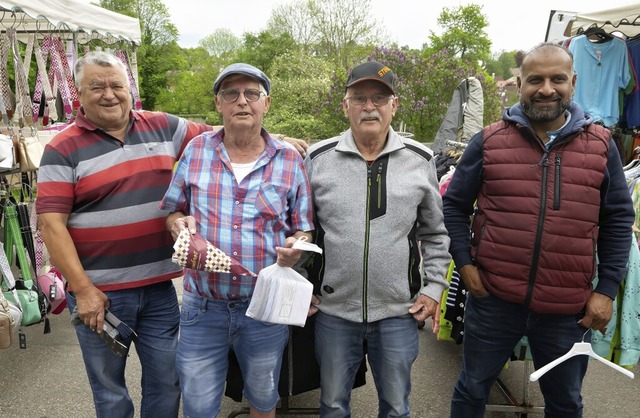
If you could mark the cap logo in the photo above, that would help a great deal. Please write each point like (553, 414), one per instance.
(383, 71)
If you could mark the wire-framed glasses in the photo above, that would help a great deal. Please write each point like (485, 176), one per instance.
(377, 99)
(231, 95)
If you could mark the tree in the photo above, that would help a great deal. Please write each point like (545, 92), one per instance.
(502, 65)
(296, 19)
(299, 82)
(221, 41)
(158, 52)
(342, 26)
(464, 34)
(341, 30)
(262, 49)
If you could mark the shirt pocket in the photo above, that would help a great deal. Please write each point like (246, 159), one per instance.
(271, 201)
(159, 156)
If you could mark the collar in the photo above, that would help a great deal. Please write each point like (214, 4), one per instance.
(84, 123)
(348, 144)
(272, 145)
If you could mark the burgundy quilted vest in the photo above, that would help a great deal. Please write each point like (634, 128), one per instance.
(536, 227)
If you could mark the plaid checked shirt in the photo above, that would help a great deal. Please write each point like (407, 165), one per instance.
(246, 221)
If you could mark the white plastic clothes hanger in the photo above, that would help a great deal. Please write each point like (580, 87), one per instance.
(581, 348)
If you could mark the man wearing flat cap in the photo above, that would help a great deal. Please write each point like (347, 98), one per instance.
(247, 194)
(378, 216)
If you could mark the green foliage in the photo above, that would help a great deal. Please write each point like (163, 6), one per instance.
(262, 49)
(298, 81)
(156, 55)
(502, 65)
(221, 41)
(464, 34)
(306, 51)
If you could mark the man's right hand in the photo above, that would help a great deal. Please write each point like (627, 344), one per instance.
(471, 278)
(91, 303)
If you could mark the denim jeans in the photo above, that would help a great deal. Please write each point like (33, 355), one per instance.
(208, 329)
(392, 347)
(492, 328)
(152, 312)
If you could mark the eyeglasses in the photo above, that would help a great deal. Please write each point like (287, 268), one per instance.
(231, 95)
(377, 99)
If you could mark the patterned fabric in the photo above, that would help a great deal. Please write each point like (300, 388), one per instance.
(111, 191)
(196, 253)
(24, 109)
(5, 89)
(132, 81)
(43, 84)
(246, 221)
(57, 77)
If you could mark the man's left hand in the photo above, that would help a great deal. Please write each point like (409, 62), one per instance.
(598, 312)
(423, 308)
(288, 256)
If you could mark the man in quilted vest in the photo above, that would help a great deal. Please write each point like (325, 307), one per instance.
(548, 189)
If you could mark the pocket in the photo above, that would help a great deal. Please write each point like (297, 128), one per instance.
(190, 313)
(159, 156)
(271, 201)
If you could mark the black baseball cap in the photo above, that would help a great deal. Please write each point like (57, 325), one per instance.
(371, 70)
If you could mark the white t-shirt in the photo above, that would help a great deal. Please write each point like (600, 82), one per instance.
(240, 170)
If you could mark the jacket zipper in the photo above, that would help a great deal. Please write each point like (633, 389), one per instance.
(365, 259)
(557, 177)
(544, 163)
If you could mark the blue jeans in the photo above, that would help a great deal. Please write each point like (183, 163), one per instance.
(492, 328)
(392, 347)
(208, 329)
(152, 312)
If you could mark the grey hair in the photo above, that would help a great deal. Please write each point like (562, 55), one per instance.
(101, 58)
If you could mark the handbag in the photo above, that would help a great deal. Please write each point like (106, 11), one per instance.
(28, 301)
(7, 323)
(14, 309)
(35, 305)
(7, 154)
(31, 150)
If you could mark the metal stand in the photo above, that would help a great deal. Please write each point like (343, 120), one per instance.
(283, 409)
(521, 408)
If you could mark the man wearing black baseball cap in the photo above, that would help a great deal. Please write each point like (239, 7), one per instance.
(370, 182)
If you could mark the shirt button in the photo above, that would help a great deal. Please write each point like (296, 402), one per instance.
(235, 227)
(237, 202)
(235, 253)
(235, 277)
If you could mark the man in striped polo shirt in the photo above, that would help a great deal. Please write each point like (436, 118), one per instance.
(99, 186)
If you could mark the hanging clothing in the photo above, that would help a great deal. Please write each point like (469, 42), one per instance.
(603, 70)
(464, 115)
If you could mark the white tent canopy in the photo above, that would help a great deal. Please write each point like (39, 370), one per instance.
(71, 19)
(625, 19)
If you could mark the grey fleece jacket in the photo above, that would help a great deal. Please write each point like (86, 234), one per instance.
(370, 220)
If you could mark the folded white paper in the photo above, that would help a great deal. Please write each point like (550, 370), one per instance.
(281, 296)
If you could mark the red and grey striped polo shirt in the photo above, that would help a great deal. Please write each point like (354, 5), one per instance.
(111, 191)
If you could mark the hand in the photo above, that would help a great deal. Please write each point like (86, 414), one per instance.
(423, 308)
(182, 222)
(597, 312)
(288, 256)
(91, 303)
(472, 281)
(312, 307)
(299, 144)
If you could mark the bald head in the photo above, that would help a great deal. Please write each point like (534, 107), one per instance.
(544, 51)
